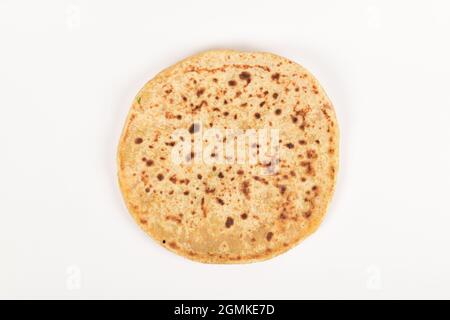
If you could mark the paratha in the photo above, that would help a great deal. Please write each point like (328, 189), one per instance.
(229, 212)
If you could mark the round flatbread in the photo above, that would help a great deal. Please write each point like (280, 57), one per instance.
(196, 180)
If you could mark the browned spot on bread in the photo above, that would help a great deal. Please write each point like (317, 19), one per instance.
(278, 112)
(220, 201)
(169, 115)
(245, 188)
(149, 163)
(275, 76)
(143, 221)
(204, 210)
(229, 222)
(304, 111)
(160, 176)
(195, 127)
(259, 179)
(210, 190)
(308, 166)
(244, 216)
(200, 92)
(244, 75)
(232, 83)
(185, 181)
(315, 90)
(138, 140)
(311, 154)
(269, 236)
(282, 189)
(289, 145)
(275, 95)
(173, 245)
(173, 218)
(332, 172)
(199, 106)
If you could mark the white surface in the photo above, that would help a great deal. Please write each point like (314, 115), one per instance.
(70, 69)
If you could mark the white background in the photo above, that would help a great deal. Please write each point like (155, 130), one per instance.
(70, 69)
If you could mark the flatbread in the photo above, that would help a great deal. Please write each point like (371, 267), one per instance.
(229, 212)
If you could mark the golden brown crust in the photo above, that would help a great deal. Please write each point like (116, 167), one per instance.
(230, 213)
